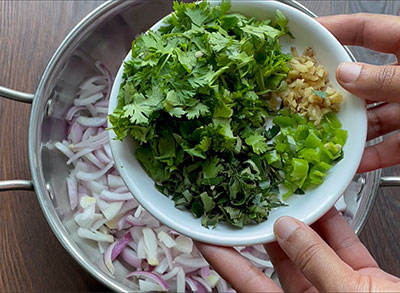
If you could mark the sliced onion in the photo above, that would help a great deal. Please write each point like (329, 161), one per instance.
(180, 281)
(79, 154)
(191, 261)
(72, 186)
(72, 111)
(170, 274)
(150, 246)
(101, 247)
(121, 189)
(84, 93)
(85, 219)
(222, 286)
(151, 276)
(75, 132)
(92, 121)
(111, 210)
(131, 257)
(93, 89)
(95, 235)
(87, 134)
(184, 244)
(141, 251)
(107, 149)
(121, 223)
(121, 244)
(85, 176)
(247, 249)
(148, 286)
(162, 267)
(205, 271)
(148, 221)
(168, 255)
(204, 285)
(92, 158)
(108, 259)
(90, 82)
(99, 153)
(212, 279)
(113, 196)
(64, 149)
(92, 110)
(128, 206)
(87, 100)
(101, 110)
(97, 224)
(115, 181)
(192, 284)
(166, 239)
(93, 141)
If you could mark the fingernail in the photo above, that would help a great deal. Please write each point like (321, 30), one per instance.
(349, 72)
(284, 227)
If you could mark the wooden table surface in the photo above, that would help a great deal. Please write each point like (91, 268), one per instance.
(31, 258)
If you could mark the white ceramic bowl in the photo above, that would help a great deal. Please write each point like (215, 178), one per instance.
(308, 207)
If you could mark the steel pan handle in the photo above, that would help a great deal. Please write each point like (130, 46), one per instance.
(16, 95)
(7, 185)
(389, 181)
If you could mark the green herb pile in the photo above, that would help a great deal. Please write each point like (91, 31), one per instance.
(195, 98)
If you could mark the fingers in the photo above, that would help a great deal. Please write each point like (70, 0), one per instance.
(383, 119)
(290, 277)
(315, 259)
(342, 239)
(381, 155)
(236, 270)
(373, 31)
(370, 82)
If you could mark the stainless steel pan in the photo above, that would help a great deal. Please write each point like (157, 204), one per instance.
(105, 34)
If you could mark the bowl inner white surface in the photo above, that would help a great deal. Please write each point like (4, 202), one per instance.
(308, 207)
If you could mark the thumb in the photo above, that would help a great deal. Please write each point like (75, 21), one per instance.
(316, 260)
(370, 82)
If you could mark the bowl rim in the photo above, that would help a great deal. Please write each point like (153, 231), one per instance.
(213, 239)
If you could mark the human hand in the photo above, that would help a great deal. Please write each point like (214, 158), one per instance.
(305, 262)
(372, 83)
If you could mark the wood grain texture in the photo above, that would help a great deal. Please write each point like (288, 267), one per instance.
(31, 258)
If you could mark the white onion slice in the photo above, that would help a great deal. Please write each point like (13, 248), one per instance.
(166, 239)
(115, 181)
(180, 281)
(72, 187)
(87, 100)
(92, 121)
(90, 82)
(170, 274)
(191, 261)
(95, 235)
(85, 176)
(111, 210)
(184, 244)
(150, 246)
(64, 149)
(131, 257)
(107, 257)
(113, 196)
(203, 283)
(151, 276)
